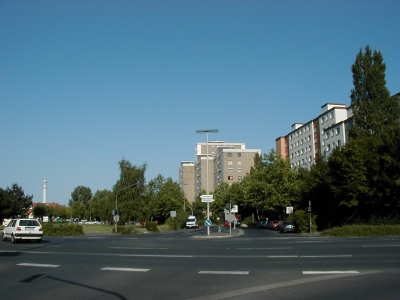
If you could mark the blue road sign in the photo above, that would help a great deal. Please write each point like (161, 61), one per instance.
(208, 223)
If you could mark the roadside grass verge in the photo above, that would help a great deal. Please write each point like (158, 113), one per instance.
(362, 230)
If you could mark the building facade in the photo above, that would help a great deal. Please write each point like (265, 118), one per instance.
(317, 138)
(186, 179)
(227, 162)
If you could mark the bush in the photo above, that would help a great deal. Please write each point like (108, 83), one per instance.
(50, 229)
(151, 226)
(173, 223)
(363, 230)
(249, 222)
(125, 230)
(302, 221)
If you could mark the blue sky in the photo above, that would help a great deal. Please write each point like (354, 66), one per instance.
(84, 84)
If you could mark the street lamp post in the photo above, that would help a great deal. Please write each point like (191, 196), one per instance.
(207, 131)
(116, 204)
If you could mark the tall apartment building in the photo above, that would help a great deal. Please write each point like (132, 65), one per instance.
(231, 165)
(318, 137)
(227, 162)
(186, 179)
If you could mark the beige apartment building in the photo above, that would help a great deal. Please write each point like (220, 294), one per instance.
(186, 179)
(227, 162)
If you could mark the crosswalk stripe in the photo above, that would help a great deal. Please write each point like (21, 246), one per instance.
(329, 272)
(124, 269)
(225, 272)
(38, 265)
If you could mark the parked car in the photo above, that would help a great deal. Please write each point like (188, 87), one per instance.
(235, 223)
(227, 224)
(23, 229)
(262, 224)
(287, 226)
(273, 224)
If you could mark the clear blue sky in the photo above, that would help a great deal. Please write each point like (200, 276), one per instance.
(84, 84)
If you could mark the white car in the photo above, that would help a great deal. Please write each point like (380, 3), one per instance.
(23, 229)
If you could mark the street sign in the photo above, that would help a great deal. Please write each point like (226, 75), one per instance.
(230, 217)
(116, 218)
(207, 198)
(208, 223)
(235, 209)
(289, 210)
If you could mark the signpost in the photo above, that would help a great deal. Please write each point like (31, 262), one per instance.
(207, 198)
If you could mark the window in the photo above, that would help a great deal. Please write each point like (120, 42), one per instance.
(229, 154)
(339, 143)
(230, 177)
(239, 162)
(239, 154)
(230, 170)
(229, 162)
(338, 130)
(239, 177)
(240, 170)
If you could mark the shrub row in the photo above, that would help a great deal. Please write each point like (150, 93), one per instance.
(50, 229)
(363, 230)
(126, 230)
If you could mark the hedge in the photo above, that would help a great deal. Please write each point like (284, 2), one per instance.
(363, 230)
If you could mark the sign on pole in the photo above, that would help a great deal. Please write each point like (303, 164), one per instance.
(235, 209)
(289, 210)
(207, 198)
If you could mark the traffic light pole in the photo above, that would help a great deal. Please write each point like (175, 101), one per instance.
(309, 205)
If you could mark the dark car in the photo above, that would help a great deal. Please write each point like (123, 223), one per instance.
(273, 224)
(287, 226)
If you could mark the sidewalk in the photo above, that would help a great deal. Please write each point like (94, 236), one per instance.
(214, 233)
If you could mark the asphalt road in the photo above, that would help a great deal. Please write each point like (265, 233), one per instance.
(188, 264)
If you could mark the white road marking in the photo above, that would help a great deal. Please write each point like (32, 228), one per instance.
(311, 241)
(324, 256)
(329, 272)
(379, 246)
(225, 272)
(283, 248)
(138, 248)
(282, 256)
(38, 265)
(124, 269)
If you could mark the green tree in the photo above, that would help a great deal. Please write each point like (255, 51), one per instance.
(129, 189)
(271, 185)
(40, 210)
(365, 173)
(81, 194)
(14, 202)
(102, 204)
(166, 196)
(61, 212)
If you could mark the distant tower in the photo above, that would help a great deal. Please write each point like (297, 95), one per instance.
(44, 190)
